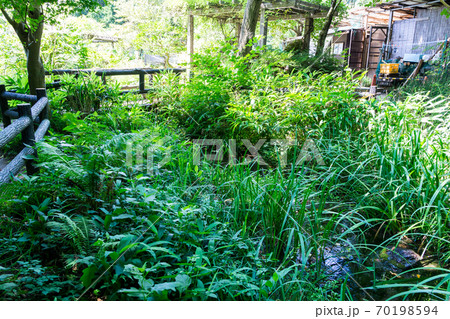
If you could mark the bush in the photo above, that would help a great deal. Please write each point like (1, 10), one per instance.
(324, 64)
(255, 96)
(85, 94)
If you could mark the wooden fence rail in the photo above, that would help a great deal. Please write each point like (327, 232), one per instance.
(25, 117)
(104, 73)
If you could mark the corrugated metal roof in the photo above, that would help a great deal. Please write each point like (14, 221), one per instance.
(364, 17)
(418, 4)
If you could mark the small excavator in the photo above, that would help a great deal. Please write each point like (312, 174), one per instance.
(398, 71)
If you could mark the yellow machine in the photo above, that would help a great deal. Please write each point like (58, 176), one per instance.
(389, 68)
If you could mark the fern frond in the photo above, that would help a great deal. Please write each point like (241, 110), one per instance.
(77, 231)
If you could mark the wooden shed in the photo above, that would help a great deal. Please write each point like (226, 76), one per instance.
(422, 34)
(390, 30)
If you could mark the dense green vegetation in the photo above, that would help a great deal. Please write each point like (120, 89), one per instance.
(90, 226)
(122, 209)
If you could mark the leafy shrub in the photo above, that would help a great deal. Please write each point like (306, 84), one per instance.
(323, 64)
(85, 94)
(17, 82)
(29, 280)
(256, 98)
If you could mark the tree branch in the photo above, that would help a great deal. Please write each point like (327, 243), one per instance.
(9, 19)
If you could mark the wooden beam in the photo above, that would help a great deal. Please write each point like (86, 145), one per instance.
(236, 11)
(44, 114)
(141, 82)
(277, 17)
(319, 7)
(17, 163)
(296, 16)
(98, 72)
(190, 42)
(296, 4)
(298, 9)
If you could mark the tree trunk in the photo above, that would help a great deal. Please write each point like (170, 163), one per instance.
(31, 41)
(35, 68)
(248, 28)
(324, 32)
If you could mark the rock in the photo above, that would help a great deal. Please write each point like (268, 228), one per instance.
(395, 259)
(338, 261)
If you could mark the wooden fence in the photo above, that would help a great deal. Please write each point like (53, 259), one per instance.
(25, 116)
(104, 73)
(36, 111)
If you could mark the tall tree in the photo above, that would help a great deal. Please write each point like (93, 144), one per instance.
(334, 6)
(251, 17)
(27, 17)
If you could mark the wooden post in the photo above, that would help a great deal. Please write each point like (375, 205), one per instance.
(364, 45)
(142, 82)
(307, 31)
(350, 47)
(28, 138)
(4, 107)
(104, 78)
(389, 35)
(373, 87)
(40, 93)
(190, 43)
(263, 26)
(369, 47)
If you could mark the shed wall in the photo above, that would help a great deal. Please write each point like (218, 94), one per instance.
(421, 35)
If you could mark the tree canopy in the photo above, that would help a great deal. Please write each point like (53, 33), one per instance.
(28, 18)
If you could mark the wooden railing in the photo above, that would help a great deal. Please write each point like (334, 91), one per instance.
(36, 111)
(104, 73)
(25, 116)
